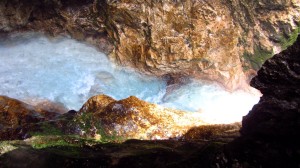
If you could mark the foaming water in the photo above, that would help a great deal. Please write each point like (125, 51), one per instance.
(214, 104)
(33, 67)
(66, 71)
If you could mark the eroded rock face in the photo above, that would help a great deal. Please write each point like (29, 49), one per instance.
(270, 132)
(134, 118)
(222, 40)
(80, 19)
(215, 40)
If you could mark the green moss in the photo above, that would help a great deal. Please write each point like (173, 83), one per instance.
(47, 129)
(40, 142)
(286, 42)
(91, 126)
(260, 55)
(257, 59)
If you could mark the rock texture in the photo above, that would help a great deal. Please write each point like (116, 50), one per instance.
(133, 118)
(278, 112)
(80, 19)
(270, 132)
(16, 118)
(217, 40)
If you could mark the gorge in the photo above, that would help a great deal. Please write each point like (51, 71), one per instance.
(79, 79)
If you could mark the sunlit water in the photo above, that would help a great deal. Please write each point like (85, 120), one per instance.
(33, 67)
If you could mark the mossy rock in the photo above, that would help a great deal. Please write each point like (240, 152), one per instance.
(286, 42)
(257, 59)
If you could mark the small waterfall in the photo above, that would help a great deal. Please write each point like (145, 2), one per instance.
(35, 68)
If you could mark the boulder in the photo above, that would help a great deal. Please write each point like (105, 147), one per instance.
(133, 118)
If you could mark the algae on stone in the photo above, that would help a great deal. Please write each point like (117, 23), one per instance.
(286, 42)
(256, 59)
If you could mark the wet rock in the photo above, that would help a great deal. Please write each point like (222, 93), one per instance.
(133, 118)
(49, 107)
(96, 103)
(175, 81)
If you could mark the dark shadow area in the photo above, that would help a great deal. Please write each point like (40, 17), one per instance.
(132, 153)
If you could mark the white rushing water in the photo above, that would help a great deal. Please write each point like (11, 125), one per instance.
(33, 67)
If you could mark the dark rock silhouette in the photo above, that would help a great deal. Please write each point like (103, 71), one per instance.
(270, 132)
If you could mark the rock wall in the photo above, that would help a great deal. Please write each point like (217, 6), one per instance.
(78, 18)
(224, 40)
(278, 112)
(216, 40)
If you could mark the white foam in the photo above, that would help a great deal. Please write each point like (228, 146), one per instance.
(67, 71)
(215, 104)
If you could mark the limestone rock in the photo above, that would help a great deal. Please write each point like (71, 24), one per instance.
(214, 40)
(224, 40)
(15, 113)
(134, 118)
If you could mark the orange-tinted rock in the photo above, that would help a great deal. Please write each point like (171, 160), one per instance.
(134, 118)
(96, 103)
(214, 40)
